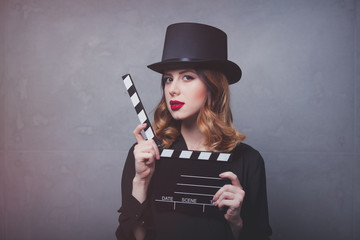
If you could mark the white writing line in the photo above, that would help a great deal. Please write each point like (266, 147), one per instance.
(206, 204)
(194, 185)
(190, 176)
(199, 194)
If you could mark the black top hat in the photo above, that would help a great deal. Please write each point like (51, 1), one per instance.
(194, 45)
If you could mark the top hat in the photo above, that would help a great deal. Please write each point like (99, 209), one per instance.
(194, 45)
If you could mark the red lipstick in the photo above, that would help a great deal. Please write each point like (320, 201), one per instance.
(176, 105)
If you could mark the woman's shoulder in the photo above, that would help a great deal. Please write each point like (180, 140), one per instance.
(247, 154)
(245, 148)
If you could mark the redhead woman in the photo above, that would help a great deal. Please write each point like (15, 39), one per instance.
(194, 114)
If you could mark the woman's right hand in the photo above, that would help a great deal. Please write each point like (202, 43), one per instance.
(145, 153)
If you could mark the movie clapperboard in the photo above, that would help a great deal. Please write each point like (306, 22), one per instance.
(184, 180)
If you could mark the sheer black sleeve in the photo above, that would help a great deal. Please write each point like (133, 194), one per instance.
(132, 212)
(255, 206)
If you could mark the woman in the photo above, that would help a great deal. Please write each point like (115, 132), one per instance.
(194, 114)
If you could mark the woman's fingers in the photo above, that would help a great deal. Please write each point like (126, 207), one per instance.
(230, 199)
(231, 196)
(145, 153)
(144, 160)
(146, 157)
(137, 132)
(228, 192)
(140, 140)
(146, 150)
(234, 187)
(233, 178)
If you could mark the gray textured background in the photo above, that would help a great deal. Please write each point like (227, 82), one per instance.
(66, 121)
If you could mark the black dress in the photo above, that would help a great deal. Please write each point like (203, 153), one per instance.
(246, 163)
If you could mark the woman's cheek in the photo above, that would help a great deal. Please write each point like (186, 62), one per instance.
(199, 91)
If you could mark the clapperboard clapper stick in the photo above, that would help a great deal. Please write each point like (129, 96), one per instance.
(184, 180)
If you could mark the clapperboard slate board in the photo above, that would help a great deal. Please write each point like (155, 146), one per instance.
(184, 181)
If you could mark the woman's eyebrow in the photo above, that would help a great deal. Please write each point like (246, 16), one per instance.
(181, 72)
(187, 70)
(167, 73)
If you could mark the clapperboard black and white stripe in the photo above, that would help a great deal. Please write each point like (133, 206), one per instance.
(198, 155)
(139, 108)
(181, 185)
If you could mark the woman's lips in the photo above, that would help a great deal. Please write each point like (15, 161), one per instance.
(176, 105)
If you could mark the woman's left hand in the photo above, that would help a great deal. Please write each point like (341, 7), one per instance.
(231, 196)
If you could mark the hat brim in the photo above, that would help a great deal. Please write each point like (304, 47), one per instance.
(231, 70)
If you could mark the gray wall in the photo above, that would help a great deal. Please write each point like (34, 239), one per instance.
(66, 121)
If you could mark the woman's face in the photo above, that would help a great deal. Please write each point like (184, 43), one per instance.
(185, 93)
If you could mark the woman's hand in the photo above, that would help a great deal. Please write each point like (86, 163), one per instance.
(231, 196)
(145, 153)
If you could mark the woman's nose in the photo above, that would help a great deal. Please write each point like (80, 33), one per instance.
(174, 88)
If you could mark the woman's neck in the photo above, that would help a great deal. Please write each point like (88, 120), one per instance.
(193, 137)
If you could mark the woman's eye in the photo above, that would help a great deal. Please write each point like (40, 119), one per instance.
(167, 79)
(188, 77)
